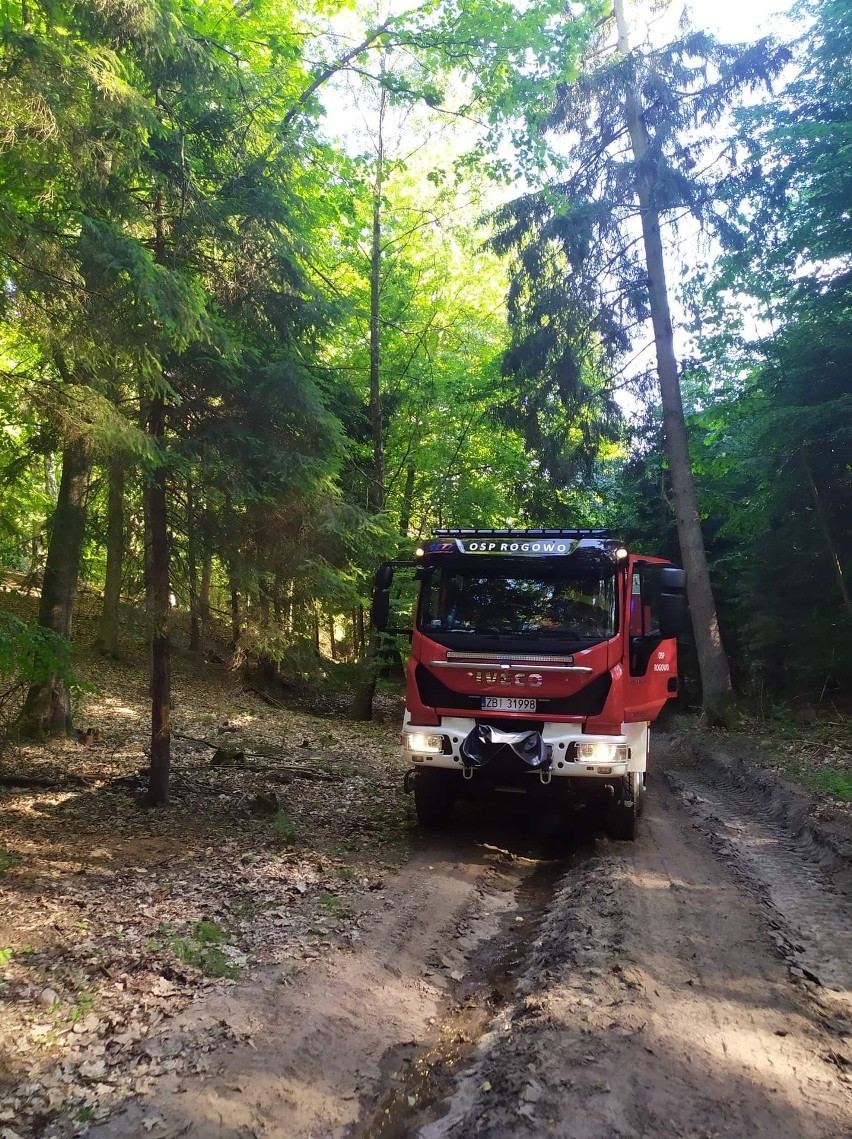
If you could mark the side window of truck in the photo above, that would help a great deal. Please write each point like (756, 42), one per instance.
(645, 592)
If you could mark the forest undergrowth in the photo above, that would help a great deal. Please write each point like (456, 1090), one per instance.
(811, 748)
(282, 822)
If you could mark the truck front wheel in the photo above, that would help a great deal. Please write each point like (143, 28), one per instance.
(433, 800)
(624, 810)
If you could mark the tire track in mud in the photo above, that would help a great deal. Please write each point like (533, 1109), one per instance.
(814, 916)
(417, 1082)
(654, 1001)
(318, 1051)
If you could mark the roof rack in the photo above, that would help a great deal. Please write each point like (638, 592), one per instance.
(476, 533)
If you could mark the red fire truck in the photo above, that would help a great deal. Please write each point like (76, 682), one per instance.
(539, 659)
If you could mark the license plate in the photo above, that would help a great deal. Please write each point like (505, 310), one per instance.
(508, 704)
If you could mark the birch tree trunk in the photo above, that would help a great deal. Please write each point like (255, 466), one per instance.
(157, 576)
(192, 571)
(157, 591)
(107, 639)
(717, 693)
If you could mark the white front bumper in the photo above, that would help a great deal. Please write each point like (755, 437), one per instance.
(557, 737)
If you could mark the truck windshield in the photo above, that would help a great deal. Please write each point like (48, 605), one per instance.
(518, 601)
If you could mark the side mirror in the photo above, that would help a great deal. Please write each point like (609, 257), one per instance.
(384, 576)
(672, 613)
(672, 579)
(381, 609)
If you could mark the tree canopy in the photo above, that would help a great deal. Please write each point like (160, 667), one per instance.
(286, 286)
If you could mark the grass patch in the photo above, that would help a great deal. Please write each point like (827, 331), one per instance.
(82, 1007)
(7, 953)
(815, 750)
(8, 860)
(285, 828)
(201, 948)
(836, 783)
(332, 905)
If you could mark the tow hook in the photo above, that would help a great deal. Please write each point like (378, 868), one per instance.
(408, 781)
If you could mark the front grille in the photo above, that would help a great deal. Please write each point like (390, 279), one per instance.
(589, 701)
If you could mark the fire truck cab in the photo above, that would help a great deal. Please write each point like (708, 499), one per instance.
(539, 659)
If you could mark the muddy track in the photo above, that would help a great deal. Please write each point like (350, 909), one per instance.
(502, 989)
(657, 1000)
(811, 908)
(342, 1047)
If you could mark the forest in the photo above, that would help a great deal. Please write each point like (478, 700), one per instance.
(287, 286)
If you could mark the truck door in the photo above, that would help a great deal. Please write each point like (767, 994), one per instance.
(651, 665)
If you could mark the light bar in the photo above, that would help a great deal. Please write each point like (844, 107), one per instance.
(539, 533)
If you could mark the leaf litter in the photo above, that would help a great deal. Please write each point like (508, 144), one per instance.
(114, 918)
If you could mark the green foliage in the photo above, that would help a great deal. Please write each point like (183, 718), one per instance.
(30, 654)
(173, 219)
(837, 783)
(776, 327)
(8, 861)
(82, 1007)
(286, 829)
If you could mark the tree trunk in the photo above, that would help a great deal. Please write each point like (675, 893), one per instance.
(157, 591)
(359, 630)
(107, 639)
(825, 530)
(362, 702)
(204, 591)
(47, 710)
(264, 605)
(235, 616)
(717, 693)
(289, 616)
(50, 475)
(332, 643)
(192, 571)
(377, 428)
(407, 500)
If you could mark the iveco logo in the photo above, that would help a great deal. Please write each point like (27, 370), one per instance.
(508, 679)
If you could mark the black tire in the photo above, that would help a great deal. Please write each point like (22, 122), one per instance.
(623, 813)
(434, 800)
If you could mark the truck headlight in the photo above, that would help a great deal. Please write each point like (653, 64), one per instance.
(423, 743)
(600, 752)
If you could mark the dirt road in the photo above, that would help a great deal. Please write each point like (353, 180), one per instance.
(697, 983)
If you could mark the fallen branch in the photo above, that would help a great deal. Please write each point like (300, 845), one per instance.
(301, 772)
(195, 740)
(267, 699)
(49, 782)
